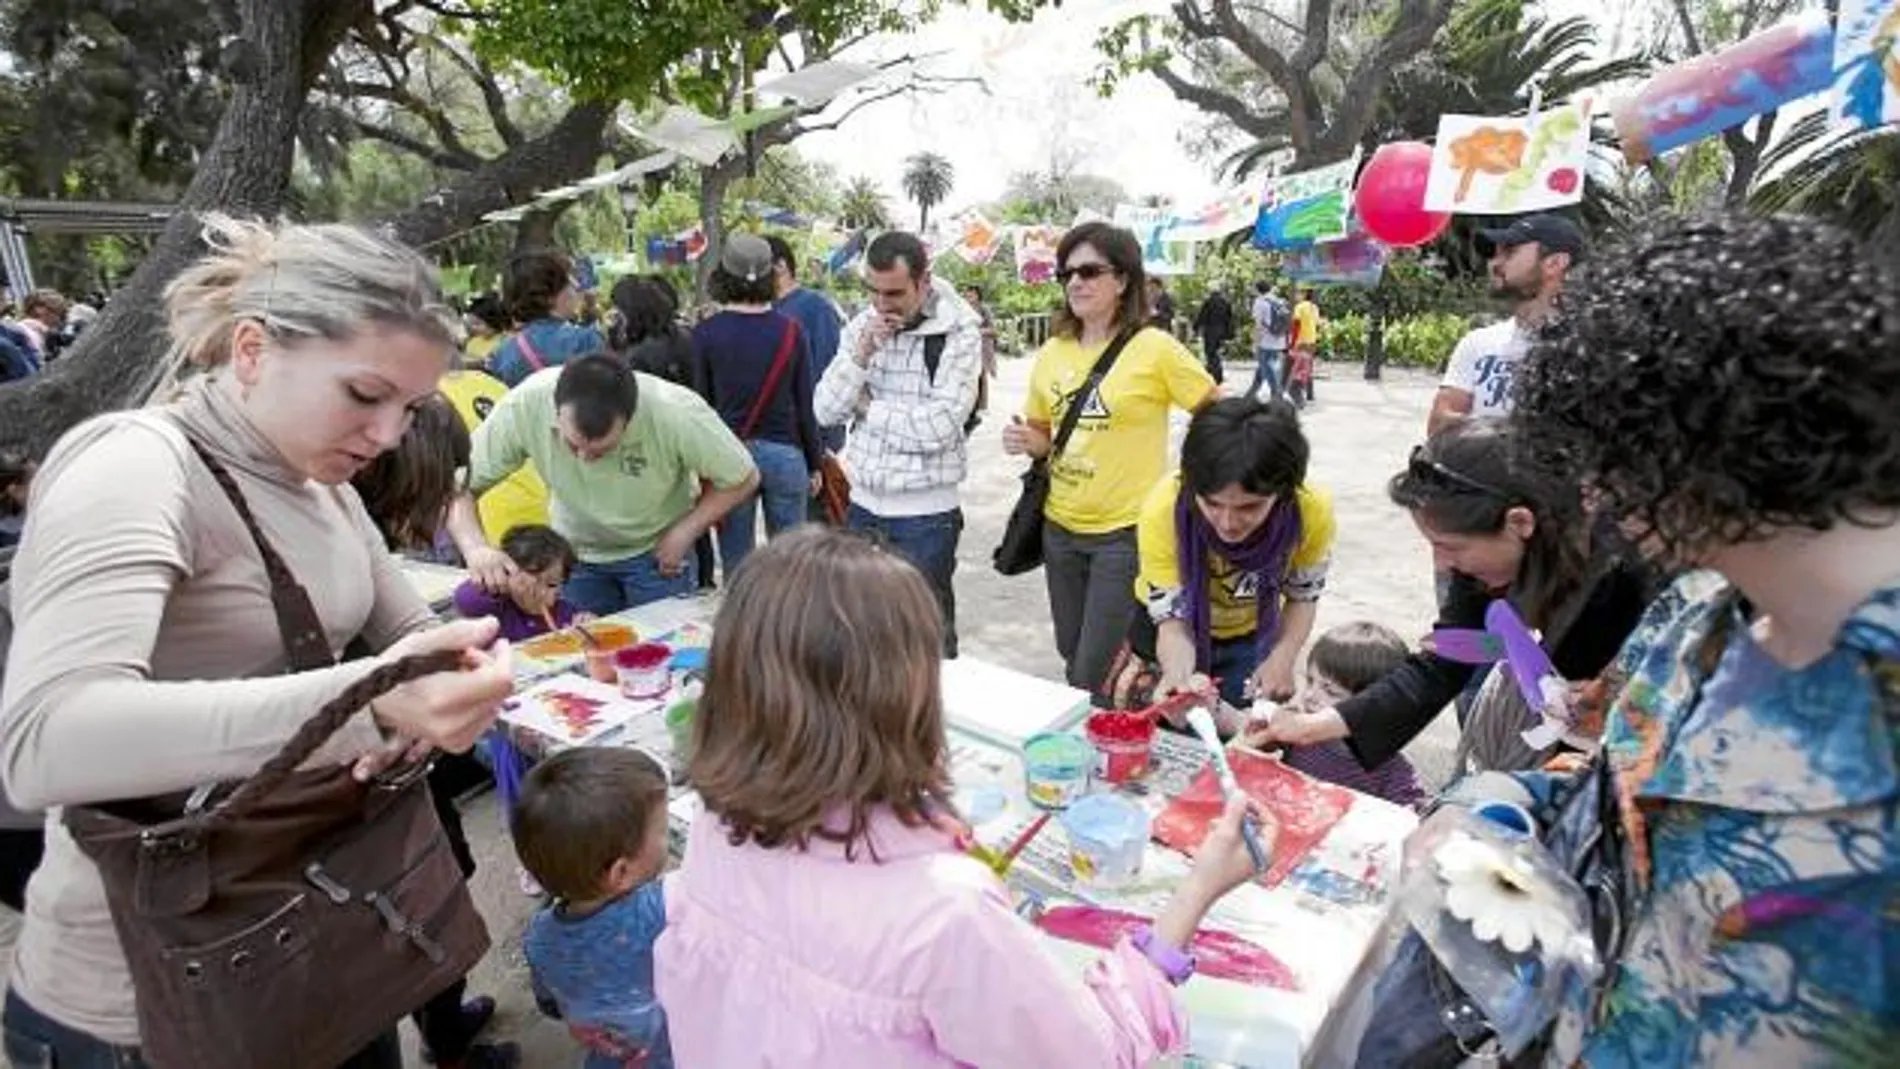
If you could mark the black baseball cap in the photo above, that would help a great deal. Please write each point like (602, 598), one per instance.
(1554, 232)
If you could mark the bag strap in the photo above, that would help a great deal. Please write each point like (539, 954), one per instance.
(1103, 364)
(933, 354)
(772, 376)
(529, 352)
(298, 624)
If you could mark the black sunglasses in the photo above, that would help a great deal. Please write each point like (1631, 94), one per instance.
(1425, 468)
(1085, 272)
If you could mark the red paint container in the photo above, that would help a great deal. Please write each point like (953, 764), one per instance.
(643, 670)
(1124, 743)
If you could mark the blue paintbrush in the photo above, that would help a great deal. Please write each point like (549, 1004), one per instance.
(1203, 725)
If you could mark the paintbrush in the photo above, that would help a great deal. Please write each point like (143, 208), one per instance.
(1203, 725)
(588, 638)
(1000, 863)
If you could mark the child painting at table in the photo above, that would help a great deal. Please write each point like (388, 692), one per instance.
(591, 826)
(543, 560)
(1344, 661)
(826, 912)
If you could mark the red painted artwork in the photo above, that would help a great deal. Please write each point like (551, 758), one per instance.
(1222, 955)
(577, 712)
(1303, 808)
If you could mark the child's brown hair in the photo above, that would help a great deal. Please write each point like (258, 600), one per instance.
(535, 547)
(822, 692)
(582, 810)
(1357, 655)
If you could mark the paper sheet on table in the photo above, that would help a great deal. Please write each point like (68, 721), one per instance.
(1006, 706)
(1304, 809)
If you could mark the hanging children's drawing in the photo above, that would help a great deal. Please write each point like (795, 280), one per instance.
(1309, 208)
(1867, 63)
(1504, 166)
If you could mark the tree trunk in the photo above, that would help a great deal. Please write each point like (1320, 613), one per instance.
(244, 172)
(569, 150)
(713, 183)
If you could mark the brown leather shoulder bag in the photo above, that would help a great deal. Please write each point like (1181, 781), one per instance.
(289, 919)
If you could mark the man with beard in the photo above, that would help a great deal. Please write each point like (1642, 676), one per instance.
(1529, 259)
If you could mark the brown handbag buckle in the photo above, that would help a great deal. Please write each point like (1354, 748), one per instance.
(174, 872)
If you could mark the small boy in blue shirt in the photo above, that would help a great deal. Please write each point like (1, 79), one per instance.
(590, 826)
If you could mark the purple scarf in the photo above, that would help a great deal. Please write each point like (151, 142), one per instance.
(1265, 553)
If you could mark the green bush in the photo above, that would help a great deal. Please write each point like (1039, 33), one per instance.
(1422, 341)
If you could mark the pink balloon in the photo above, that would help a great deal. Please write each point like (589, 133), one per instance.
(1390, 197)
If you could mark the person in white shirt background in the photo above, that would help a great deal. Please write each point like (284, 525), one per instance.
(1529, 259)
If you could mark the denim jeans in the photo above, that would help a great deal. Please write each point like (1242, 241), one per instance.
(611, 586)
(1091, 581)
(1267, 370)
(36, 1041)
(784, 490)
(930, 543)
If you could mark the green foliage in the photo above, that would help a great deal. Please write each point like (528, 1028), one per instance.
(1420, 341)
(862, 206)
(1851, 178)
(928, 179)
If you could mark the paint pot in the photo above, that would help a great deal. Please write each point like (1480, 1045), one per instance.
(1510, 816)
(1055, 769)
(679, 728)
(1108, 834)
(642, 670)
(1123, 743)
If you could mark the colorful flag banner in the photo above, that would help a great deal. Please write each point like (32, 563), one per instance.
(1524, 163)
(1355, 261)
(1036, 253)
(977, 238)
(1704, 96)
(1160, 253)
(1233, 210)
(1306, 208)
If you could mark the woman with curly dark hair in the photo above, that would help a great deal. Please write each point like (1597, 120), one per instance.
(1731, 390)
(1501, 527)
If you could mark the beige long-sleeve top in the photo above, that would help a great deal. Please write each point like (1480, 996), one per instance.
(146, 656)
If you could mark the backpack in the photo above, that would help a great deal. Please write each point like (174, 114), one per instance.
(933, 356)
(1279, 317)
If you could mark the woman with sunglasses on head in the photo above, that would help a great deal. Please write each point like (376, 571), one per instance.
(1503, 529)
(1119, 448)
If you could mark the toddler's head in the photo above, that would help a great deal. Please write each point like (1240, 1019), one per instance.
(543, 558)
(822, 701)
(591, 822)
(1349, 658)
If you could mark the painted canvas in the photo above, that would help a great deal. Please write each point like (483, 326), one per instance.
(1867, 63)
(1304, 809)
(1357, 261)
(1222, 955)
(1236, 209)
(1036, 253)
(573, 711)
(1308, 208)
(1505, 166)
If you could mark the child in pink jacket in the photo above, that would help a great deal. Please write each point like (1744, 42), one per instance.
(826, 913)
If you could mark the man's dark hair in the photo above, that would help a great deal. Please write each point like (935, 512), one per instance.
(1262, 286)
(728, 288)
(533, 280)
(1243, 441)
(534, 547)
(601, 389)
(894, 245)
(782, 254)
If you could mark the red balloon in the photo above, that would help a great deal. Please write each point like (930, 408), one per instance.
(1390, 198)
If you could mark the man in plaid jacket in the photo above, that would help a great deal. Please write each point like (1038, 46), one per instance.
(905, 381)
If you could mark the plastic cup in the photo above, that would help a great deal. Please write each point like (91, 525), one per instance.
(642, 670)
(1510, 816)
(1124, 745)
(1108, 835)
(679, 727)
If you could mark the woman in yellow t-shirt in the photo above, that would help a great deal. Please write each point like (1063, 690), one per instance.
(1234, 555)
(1119, 449)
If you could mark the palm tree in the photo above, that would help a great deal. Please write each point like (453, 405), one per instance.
(862, 207)
(928, 178)
(1851, 178)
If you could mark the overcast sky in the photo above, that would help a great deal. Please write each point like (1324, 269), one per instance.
(1037, 102)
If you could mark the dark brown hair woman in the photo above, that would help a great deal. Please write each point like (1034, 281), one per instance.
(1119, 449)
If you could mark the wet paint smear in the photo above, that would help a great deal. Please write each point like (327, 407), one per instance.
(1222, 955)
(1302, 808)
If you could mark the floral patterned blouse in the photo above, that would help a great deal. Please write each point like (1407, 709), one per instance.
(1762, 809)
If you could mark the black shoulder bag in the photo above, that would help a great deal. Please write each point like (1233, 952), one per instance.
(1021, 548)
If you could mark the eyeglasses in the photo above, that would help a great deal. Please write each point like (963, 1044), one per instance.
(1085, 272)
(1425, 468)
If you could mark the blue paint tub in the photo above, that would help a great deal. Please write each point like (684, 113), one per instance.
(1056, 769)
(1108, 834)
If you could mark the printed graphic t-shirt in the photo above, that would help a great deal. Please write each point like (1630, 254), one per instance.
(1120, 446)
(1483, 365)
(1233, 609)
(599, 970)
(618, 506)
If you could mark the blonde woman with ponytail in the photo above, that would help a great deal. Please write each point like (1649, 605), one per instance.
(147, 658)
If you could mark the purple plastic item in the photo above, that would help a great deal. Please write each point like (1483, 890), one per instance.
(1504, 638)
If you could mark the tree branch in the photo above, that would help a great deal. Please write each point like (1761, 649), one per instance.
(1294, 84)
(1687, 24)
(1225, 105)
(1411, 33)
(1315, 38)
(483, 75)
(445, 158)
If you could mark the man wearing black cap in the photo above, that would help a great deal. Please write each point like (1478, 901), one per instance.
(1529, 258)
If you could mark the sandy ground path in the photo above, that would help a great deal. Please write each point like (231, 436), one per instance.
(1361, 433)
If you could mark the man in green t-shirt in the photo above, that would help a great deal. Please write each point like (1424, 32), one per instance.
(624, 456)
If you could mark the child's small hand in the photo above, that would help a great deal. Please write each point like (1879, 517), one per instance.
(1223, 861)
(585, 617)
(1291, 727)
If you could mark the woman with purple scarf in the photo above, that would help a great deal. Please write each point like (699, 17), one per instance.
(1234, 553)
